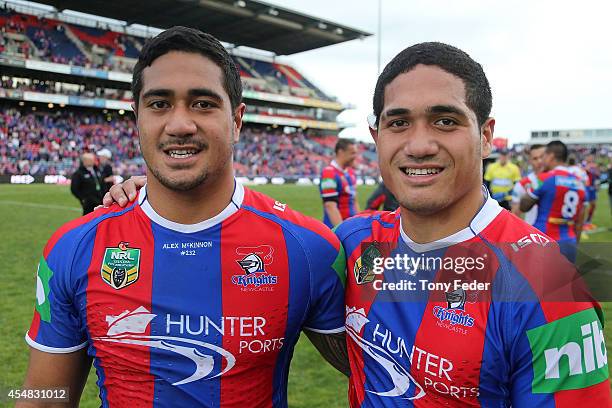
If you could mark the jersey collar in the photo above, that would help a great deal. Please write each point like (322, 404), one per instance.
(335, 164)
(232, 207)
(561, 167)
(487, 213)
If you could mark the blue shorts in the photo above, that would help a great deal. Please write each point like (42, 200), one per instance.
(591, 194)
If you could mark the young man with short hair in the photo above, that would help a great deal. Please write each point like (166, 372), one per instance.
(338, 185)
(529, 183)
(560, 198)
(450, 300)
(175, 298)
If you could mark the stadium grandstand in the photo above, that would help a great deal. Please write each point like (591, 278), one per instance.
(65, 85)
(586, 137)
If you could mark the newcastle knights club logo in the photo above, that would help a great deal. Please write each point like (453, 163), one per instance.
(120, 266)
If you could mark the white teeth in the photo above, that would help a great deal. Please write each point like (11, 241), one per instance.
(181, 154)
(422, 172)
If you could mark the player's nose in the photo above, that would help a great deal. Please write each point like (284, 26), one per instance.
(421, 143)
(180, 122)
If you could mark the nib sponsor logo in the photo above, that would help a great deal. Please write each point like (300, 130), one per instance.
(129, 328)
(569, 353)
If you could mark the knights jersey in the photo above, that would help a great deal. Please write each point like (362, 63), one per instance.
(560, 198)
(492, 316)
(528, 183)
(178, 315)
(592, 171)
(339, 185)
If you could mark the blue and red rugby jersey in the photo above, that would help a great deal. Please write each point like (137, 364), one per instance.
(532, 338)
(189, 315)
(338, 184)
(560, 198)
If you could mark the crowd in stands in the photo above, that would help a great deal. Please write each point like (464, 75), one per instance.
(84, 90)
(34, 37)
(48, 142)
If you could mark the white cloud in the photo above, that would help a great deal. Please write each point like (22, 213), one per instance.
(548, 61)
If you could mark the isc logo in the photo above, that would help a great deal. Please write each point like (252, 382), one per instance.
(533, 238)
(125, 255)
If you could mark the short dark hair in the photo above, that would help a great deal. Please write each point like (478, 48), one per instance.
(535, 146)
(450, 59)
(571, 160)
(343, 144)
(186, 39)
(558, 149)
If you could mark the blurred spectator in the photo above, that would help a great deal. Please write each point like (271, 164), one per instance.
(50, 141)
(106, 170)
(86, 183)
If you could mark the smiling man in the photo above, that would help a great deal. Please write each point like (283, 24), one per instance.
(174, 298)
(451, 300)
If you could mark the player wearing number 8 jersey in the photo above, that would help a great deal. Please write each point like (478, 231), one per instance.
(560, 199)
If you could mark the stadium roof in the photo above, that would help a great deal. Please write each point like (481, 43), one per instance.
(249, 23)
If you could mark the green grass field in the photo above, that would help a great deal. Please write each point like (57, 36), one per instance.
(30, 213)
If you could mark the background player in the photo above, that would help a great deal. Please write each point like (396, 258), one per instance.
(529, 183)
(381, 197)
(560, 199)
(337, 186)
(501, 176)
(593, 172)
(457, 347)
(174, 297)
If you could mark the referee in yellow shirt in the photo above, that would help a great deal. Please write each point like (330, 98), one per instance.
(500, 177)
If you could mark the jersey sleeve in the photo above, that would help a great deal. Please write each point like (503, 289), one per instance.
(56, 327)
(517, 192)
(547, 185)
(557, 354)
(329, 185)
(328, 276)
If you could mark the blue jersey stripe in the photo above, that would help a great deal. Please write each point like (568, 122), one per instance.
(197, 288)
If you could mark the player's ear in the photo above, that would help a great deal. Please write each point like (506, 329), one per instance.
(373, 127)
(238, 114)
(486, 137)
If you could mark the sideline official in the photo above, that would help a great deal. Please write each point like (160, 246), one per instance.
(86, 183)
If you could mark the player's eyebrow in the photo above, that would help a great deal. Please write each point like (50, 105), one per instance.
(159, 92)
(395, 112)
(437, 109)
(194, 92)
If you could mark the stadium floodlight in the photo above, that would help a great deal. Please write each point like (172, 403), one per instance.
(322, 25)
(339, 31)
(240, 3)
(273, 12)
